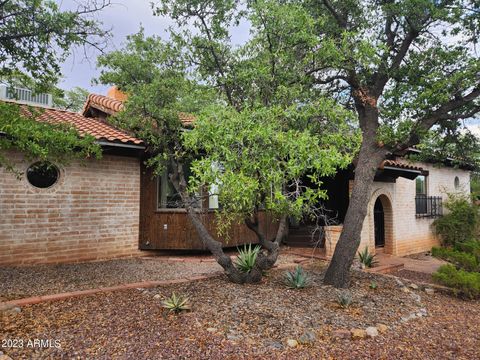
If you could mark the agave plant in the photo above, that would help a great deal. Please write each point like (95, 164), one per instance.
(366, 259)
(344, 299)
(246, 257)
(176, 303)
(297, 279)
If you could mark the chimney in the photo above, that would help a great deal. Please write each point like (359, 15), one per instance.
(116, 94)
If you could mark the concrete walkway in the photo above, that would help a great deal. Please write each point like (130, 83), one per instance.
(421, 263)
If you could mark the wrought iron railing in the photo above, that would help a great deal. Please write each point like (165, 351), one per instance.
(428, 206)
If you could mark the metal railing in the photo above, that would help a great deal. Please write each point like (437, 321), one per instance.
(428, 206)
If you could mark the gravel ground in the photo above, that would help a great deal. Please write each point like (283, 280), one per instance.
(231, 321)
(20, 282)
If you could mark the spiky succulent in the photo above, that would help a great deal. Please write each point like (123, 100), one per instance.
(176, 303)
(246, 257)
(297, 279)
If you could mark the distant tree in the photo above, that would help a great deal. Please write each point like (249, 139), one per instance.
(35, 37)
(408, 69)
(71, 100)
(253, 157)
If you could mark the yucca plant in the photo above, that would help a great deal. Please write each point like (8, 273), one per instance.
(297, 279)
(344, 299)
(367, 259)
(176, 303)
(246, 257)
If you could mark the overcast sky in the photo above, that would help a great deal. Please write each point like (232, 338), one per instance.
(124, 17)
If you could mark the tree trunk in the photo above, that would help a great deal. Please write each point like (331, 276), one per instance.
(262, 263)
(369, 158)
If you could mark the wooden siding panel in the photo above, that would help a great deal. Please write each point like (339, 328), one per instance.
(180, 233)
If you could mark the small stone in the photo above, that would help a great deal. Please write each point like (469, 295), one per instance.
(382, 328)
(342, 334)
(413, 286)
(5, 357)
(211, 329)
(274, 345)
(399, 282)
(371, 331)
(405, 289)
(308, 338)
(430, 291)
(409, 317)
(422, 312)
(358, 334)
(416, 297)
(157, 296)
(292, 343)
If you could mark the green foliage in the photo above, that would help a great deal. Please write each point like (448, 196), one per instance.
(345, 299)
(461, 259)
(470, 247)
(71, 100)
(36, 36)
(373, 285)
(258, 161)
(466, 284)
(366, 258)
(39, 140)
(296, 279)
(176, 303)
(246, 257)
(460, 223)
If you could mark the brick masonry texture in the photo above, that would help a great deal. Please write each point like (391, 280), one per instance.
(91, 213)
(405, 234)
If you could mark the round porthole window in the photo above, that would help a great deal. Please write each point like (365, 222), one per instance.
(457, 182)
(43, 174)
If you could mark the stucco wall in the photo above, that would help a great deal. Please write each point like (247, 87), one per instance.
(404, 232)
(91, 213)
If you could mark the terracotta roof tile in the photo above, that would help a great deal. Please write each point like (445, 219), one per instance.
(91, 126)
(111, 106)
(400, 165)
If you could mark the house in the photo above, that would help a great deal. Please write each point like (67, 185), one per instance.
(405, 200)
(114, 207)
(96, 208)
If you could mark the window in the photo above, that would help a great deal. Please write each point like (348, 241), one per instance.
(421, 185)
(167, 196)
(42, 174)
(457, 183)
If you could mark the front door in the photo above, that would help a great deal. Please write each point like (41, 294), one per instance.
(379, 223)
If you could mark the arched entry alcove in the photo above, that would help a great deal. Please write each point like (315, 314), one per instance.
(383, 224)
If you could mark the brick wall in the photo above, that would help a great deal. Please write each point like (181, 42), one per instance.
(91, 213)
(404, 232)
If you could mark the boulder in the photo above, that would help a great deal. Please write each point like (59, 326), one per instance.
(371, 331)
(413, 286)
(429, 291)
(308, 338)
(382, 328)
(358, 334)
(292, 343)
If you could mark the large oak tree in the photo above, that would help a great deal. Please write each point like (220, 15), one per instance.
(408, 69)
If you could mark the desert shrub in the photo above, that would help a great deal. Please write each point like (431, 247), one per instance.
(470, 247)
(297, 279)
(463, 260)
(176, 303)
(246, 257)
(459, 224)
(345, 299)
(466, 284)
(366, 258)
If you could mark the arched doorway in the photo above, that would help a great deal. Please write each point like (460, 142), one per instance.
(379, 223)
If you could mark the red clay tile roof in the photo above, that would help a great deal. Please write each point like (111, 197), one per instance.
(400, 165)
(91, 126)
(103, 103)
(111, 106)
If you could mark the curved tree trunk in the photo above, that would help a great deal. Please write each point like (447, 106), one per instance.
(262, 263)
(369, 158)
